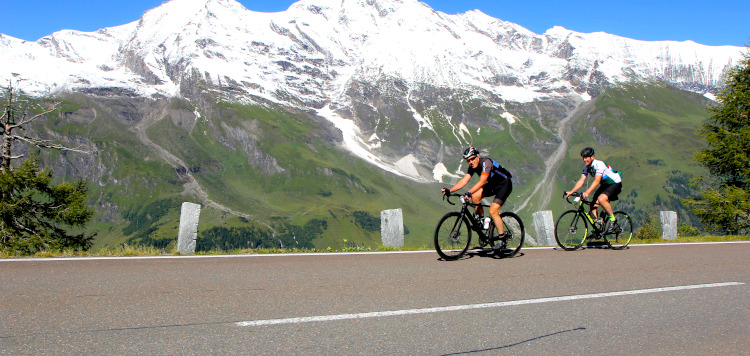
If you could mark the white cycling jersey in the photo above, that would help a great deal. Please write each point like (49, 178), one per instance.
(599, 168)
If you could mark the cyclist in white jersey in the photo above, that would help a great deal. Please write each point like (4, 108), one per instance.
(608, 180)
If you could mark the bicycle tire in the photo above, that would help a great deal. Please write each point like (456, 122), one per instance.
(512, 224)
(620, 238)
(571, 230)
(452, 236)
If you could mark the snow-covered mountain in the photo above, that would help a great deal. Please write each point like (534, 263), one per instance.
(323, 44)
(316, 54)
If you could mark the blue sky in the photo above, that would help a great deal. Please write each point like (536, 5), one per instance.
(718, 22)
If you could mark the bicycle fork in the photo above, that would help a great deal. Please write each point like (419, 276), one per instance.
(456, 229)
(573, 229)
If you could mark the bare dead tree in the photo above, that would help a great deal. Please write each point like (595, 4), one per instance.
(10, 124)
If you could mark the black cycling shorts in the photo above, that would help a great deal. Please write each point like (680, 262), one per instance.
(610, 190)
(500, 191)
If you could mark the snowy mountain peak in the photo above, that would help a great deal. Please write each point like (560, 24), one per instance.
(174, 15)
(342, 40)
(318, 52)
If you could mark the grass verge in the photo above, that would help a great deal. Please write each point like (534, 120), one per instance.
(127, 250)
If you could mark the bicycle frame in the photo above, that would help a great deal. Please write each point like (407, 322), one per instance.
(476, 225)
(582, 211)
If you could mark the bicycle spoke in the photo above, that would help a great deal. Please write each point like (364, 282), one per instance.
(571, 230)
(452, 236)
(621, 232)
(515, 234)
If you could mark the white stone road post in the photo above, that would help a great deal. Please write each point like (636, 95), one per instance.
(392, 228)
(545, 228)
(188, 228)
(668, 225)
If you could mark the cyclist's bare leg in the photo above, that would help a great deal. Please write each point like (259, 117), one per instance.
(495, 214)
(594, 210)
(476, 198)
(603, 200)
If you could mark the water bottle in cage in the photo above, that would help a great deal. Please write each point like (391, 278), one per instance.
(486, 222)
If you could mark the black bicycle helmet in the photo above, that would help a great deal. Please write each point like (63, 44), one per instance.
(587, 152)
(470, 152)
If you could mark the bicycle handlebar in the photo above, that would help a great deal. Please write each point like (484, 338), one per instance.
(576, 195)
(463, 201)
(448, 196)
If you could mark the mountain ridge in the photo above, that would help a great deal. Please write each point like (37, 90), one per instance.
(392, 83)
(307, 29)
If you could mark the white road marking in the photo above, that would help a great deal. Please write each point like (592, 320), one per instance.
(324, 318)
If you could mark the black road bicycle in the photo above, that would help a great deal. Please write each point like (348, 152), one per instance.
(453, 231)
(572, 228)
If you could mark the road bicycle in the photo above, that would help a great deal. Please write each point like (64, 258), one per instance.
(454, 230)
(572, 228)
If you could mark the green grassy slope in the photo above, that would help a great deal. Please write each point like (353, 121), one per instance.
(648, 132)
(284, 170)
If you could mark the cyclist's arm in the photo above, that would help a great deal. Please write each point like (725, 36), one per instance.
(482, 179)
(594, 184)
(461, 183)
(578, 185)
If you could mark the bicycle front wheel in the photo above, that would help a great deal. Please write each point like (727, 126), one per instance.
(514, 227)
(571, 230)
(621, 233)
(452, 236)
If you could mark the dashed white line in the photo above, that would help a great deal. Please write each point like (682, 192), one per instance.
(324, 318)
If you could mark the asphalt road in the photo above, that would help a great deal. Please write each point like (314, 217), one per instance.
(678, 299)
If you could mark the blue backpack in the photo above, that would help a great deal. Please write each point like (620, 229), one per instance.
(498, 169)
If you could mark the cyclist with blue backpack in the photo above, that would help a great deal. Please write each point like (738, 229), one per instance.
(494, 180)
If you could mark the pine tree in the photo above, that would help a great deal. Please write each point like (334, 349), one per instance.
(725, 201)
(36, 215)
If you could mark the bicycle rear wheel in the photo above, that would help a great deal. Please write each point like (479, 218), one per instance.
(514, 227)
(620, 237)
(452, 236)
(571, 230)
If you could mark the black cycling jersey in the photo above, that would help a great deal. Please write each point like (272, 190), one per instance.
(497, 173)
